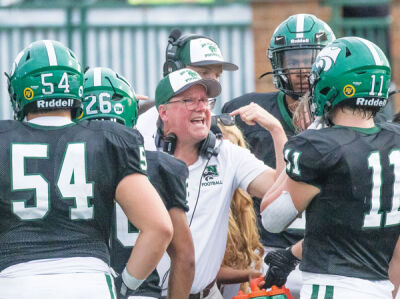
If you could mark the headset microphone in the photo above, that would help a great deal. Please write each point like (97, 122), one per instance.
(174, 35)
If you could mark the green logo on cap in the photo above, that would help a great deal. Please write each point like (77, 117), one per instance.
(212, 48)
(191, 75)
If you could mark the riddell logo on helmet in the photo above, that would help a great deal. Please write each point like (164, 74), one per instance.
(299, 40)
(60, 103)
(373, 102)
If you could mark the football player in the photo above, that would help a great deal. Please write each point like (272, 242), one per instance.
(108, 96)
(293, 48)
(345, 176)
(58, 187)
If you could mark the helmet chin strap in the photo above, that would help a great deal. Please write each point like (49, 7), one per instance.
(327, 108)
(295, 96)
(265, 74)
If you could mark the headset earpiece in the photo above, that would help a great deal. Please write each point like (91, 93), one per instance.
(171, 65)
(175, 42)
(165, 143)
(169, 143)
(207, 146)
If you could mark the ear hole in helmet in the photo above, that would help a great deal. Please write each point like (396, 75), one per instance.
(348, 52)
(117, 97)
(325, 90)
(28, 56)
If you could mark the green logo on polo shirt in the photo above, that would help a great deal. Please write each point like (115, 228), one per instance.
(210, 174)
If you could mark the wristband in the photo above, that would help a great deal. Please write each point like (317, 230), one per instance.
(130, 281)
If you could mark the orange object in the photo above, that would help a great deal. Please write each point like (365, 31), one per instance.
(256, 292)
(241, 295)
(275, 291)
(261, 294)
(255, 282)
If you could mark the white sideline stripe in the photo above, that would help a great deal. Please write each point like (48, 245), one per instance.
(97, 76)
(377, 58)
(322, 292)
(300, 26)
(51, 53)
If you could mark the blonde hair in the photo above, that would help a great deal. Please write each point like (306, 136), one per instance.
(233, 133)
(302, 115)
(243, 248)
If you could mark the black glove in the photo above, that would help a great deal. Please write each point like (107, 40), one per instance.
(281, 262)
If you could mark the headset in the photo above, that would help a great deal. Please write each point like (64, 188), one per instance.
(167, 143)
(176, 41)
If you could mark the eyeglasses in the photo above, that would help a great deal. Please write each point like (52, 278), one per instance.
(193, 104)
(225, 119)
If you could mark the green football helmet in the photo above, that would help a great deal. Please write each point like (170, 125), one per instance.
(107, 95)
(46, 75)
(293, 48)
(349, 69)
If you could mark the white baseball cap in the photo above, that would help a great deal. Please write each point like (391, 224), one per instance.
(179, 81)
(203, 51)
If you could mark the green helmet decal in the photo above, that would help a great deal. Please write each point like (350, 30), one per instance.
(293, 48)
(45, 75)
(349, 69)
(107, 95)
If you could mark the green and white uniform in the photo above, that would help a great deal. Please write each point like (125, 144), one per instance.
(56, 202)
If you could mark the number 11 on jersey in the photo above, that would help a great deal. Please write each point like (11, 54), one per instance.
(374, 217)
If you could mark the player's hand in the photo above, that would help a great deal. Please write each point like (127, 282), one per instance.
(254, 274)
(123, 291)
(142, 97)
(254, 113)
(281, 262)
